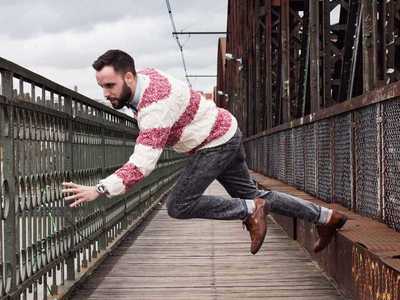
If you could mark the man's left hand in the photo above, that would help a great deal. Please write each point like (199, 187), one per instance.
(80, 193)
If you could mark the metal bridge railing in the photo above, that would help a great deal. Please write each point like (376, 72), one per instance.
(50, 134)
(348, 154)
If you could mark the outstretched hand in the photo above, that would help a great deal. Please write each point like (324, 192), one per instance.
(80, 193)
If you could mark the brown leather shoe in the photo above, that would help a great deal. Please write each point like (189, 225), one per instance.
(256, 224)
(327, 231)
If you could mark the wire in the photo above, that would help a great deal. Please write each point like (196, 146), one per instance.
(180, 46)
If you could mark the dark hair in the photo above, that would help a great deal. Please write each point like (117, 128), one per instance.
(121, 61)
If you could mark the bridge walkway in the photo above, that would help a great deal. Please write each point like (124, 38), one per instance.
(206, 259)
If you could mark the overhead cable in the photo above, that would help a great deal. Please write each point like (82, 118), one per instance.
(176, 36)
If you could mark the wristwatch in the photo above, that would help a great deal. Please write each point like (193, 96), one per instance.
(101, 189)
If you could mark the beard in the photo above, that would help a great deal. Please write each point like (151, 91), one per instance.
(123, 99)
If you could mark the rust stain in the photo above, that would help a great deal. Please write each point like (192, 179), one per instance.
(373, 279)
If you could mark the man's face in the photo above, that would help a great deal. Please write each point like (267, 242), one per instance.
(114, 86)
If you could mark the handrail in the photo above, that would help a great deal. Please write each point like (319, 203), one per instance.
(58, 136)
(377, 95)
(40, 81)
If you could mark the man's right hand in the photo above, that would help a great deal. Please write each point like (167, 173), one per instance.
(80, 193)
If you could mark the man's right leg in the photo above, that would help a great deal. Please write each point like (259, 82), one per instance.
(236, 180)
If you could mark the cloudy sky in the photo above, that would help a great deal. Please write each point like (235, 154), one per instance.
(60, 39)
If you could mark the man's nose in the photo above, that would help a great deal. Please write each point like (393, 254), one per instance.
(106, 93)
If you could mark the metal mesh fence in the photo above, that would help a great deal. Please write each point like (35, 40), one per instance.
(324, 178)
(367, 169)
(265, 155)
(282, 156)
(275, 155)
(253, 152)
(261, 154)
(391, 162)
(256, 151)
(342, 160)
(270, 166)
(299, 157)
(351, 159)
(310, 154)
(289, 157)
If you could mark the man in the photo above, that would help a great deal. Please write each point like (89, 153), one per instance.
(170, 114)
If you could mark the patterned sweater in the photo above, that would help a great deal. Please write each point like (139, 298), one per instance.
(169, 114)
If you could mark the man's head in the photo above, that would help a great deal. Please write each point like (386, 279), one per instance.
(116, 74)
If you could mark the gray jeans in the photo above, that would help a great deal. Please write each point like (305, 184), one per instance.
(227, 164)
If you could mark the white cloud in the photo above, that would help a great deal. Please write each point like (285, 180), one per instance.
(60, 39)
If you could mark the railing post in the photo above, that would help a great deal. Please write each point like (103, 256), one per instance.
(103, 235)
(69, 168)
(124, 222)
(10, 206)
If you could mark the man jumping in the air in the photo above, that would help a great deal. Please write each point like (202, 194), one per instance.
(170, 114)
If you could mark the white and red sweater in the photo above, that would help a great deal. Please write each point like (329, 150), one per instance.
(169, 114)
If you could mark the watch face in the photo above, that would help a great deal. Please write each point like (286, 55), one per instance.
(100, 188)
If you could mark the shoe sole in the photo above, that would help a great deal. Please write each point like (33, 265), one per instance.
(263, 238)
(261, 243)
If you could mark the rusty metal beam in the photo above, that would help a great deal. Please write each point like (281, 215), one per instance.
(380, 43)
(285, 53)
(304, 68)
(391, 40)
(328, 59)
(259, 105)
(349, 53)
(369, 28)
(268, 64)
(315, 94)
(276, 64)
(353, 62)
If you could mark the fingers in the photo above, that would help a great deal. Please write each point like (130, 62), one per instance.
(73, 197)
(78, 193)
(70, 184)
(77, 198)
(79, 201)
(72, 190)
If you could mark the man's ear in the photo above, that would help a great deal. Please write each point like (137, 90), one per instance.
(129, 77)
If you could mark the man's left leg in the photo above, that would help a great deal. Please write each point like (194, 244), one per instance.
(186, 200)
(236, 180)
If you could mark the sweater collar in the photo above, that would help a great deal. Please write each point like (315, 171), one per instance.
(138, 92)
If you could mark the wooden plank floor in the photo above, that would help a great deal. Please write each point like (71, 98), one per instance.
(205, 259)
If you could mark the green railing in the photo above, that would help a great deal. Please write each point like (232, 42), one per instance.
(50, 134)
